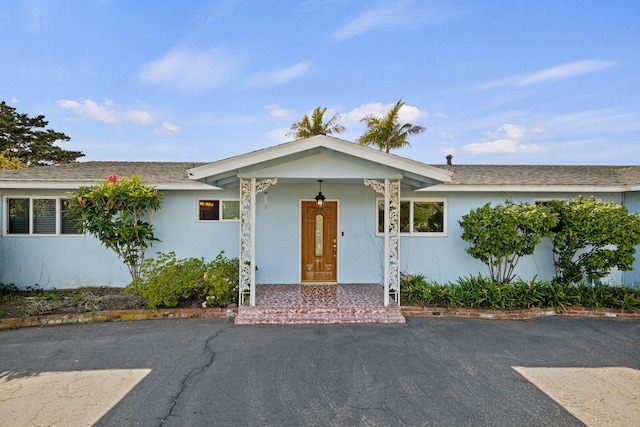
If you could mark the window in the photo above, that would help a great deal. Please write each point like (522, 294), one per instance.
(38, 216)
(218, 210)
(418, 216)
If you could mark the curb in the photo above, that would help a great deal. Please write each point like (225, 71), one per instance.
(519, 314)
(117, 316)
(230, 313)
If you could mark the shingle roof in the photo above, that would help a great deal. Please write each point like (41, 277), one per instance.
(175, 173)
(543, 175)
(151, 172)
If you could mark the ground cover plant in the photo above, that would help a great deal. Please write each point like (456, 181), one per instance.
(165, 281)
(482, 292)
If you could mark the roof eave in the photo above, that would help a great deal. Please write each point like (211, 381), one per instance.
(74, 185)
(339, 145)
(456, 188)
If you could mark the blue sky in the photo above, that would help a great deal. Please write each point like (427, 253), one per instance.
(494, 82)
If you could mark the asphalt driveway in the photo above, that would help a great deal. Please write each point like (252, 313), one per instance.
(429, 371)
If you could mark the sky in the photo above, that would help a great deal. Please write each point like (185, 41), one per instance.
(492, 81)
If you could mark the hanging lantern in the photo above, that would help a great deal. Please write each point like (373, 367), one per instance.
(320, 198)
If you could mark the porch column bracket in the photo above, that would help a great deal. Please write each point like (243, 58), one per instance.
(248, 190)
(390, 189)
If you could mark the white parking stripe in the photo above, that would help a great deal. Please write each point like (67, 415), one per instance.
(596, 396)
(75, 398)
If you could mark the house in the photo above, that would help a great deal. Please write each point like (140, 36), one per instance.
(261, 207)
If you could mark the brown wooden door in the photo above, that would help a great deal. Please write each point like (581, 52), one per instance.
(319, 242)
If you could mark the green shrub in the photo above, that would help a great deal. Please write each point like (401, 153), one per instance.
(165, 281)
(482, 292)
(7, 290)
(221, 281)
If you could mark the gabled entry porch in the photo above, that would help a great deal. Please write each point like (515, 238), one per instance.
(355, 240)
(311, 303)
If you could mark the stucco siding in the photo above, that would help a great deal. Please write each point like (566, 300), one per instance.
(72, 261)
(278, 233)
(632, 201)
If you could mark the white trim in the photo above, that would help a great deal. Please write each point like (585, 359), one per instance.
(220, 201)
(31, 234)
(411, 201)
(586, 189)
(74, 185)
(301, 145)
(387, 274)
(252, 249)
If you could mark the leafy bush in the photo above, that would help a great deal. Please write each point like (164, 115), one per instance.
(166, 281)
(592, 237)
(501, 235)
(118, 212)
(7, 290)
(481, 292)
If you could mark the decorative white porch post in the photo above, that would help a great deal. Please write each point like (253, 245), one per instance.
(391, 192)
(248, 190)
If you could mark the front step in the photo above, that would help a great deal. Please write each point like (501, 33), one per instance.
(317, 315)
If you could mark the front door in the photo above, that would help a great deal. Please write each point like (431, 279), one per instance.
(319, 242)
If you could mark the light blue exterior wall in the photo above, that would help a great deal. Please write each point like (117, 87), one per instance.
(632, 201)
(278, 233)
(72, 261)
(69, 261)
(444, 259)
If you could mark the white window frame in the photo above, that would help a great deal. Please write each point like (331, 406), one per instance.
(411, 201)
(58, 233)
(220, 210)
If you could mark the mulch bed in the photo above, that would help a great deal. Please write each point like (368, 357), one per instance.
(60, 301)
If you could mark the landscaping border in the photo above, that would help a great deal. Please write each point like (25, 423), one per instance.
(117, 316)
(230, 313)
(519, 314)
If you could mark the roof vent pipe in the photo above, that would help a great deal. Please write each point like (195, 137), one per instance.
(449, 157)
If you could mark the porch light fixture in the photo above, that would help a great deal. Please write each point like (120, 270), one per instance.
(320, 198)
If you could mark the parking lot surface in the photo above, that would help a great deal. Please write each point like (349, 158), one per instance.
(429, 371)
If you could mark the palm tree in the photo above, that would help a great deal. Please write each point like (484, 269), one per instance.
(386, 133)
(310, 126)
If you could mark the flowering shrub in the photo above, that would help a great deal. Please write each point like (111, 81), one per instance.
(118, 212)
(166, 281)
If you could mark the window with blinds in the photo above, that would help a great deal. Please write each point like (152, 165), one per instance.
(38, 216)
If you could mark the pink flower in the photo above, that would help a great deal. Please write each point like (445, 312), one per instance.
(113, 178)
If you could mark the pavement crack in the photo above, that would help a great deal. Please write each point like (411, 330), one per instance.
(193, 375)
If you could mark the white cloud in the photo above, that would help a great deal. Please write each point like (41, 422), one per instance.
(566, 71)
(508, 139)
(167, 128)
(14, 100)
(192, 71)
(407, 114)
(106, 112)
(558, 72)
(402, 14)
(281, 76)
(276, 111)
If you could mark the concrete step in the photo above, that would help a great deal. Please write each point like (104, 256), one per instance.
(317, 315)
